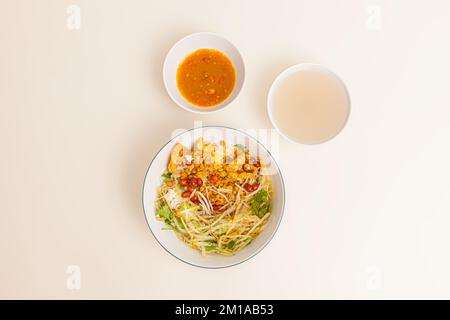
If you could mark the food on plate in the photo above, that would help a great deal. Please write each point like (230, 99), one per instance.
(206, 77)
(215, 197)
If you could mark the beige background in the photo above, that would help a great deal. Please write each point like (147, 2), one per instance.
(82, 113)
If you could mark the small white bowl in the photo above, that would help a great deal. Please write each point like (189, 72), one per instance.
(298, 68)
(167, 238)
(185, 46)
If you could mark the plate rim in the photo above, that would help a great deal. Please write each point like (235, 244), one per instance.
(282, 206)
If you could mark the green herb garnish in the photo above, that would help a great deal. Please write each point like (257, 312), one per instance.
(260, 203)
(231, 244)
(164, 212)
(167, 176)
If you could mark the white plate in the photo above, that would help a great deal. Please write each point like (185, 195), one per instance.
(187, 45)
(168, 239)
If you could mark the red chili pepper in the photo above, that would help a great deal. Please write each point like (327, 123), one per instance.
(216, 207)
(194, 199)
(257, 164)
(184, 182)
(193, 182)
(186, 194)
(248, 187)
(199, 182)
(191, 188)
(255, 186)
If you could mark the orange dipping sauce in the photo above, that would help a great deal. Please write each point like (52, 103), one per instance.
(206, 77)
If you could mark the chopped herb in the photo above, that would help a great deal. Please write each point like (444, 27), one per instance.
(164, 212)
(210, 248)
(231, 244)
(260, 203)
(166, 176)
(170, 225)
(180, 225)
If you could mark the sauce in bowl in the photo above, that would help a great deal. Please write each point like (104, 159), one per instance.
(308, 104)
(206, 77)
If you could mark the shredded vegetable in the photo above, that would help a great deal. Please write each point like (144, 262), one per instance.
(214, 205)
